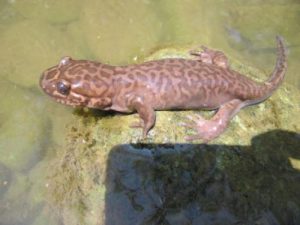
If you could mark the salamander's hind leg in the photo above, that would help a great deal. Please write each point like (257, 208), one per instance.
(208, 130)
(211, 56)
(146, 114)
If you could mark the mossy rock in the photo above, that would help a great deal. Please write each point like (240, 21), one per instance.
(81, 167)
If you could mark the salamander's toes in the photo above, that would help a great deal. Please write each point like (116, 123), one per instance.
(193, 122)
(188, 125)
(197, 119)
(206, 130)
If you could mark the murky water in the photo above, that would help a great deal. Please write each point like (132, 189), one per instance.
(57, 168)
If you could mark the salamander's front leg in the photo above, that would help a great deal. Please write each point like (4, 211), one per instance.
(208, 130)
(211, 56)
(146, 114)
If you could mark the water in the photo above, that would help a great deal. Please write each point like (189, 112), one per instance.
(65, 166)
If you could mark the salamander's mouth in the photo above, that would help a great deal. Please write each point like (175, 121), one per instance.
(63, 99)
(69, 103)
(71, 99)
(60, 90)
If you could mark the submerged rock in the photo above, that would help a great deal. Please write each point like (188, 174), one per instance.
(24, 201)
(27, 42)
(23, 127)
(136, 33)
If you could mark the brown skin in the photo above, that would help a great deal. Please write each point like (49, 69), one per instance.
(205, 82)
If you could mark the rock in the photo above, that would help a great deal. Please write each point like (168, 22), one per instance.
(222, 216)
(23, 128)
(46, 218)
(293, 213)
(60, 117)
(267, 218)
(16, 207)
(5, 179)
(177, 218)
(148, 182)
(24, 201)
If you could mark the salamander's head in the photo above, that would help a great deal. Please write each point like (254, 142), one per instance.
(72, 82)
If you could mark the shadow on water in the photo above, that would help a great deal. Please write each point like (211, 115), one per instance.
(205, 184)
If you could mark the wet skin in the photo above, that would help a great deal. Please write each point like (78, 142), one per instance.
(205, 82)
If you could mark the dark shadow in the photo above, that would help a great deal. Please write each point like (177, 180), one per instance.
(205, 184)
(94, 113)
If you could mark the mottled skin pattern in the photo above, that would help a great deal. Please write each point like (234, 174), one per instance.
(205, 82)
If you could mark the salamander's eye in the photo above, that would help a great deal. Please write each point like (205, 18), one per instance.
(63, 88)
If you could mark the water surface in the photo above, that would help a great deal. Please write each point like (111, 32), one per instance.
(35, 34)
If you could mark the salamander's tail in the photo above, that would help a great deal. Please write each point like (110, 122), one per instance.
(276, 78)
(281, 65)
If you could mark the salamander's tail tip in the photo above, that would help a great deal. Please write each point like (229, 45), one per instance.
(279, 38)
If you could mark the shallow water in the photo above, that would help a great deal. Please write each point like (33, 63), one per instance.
(46, 179)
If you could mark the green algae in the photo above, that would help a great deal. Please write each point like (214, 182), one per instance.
(26, 129)
(50, 11)
(193, 22)
(20, 149)
(18, 65)
(26, 195)
(72, 184)
(122, 34)
(8, 15)
(17, 197)
(74, 32)
(45, 219)
(254, 37)
(240, 18)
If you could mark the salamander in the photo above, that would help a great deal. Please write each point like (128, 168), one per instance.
(203, 82)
